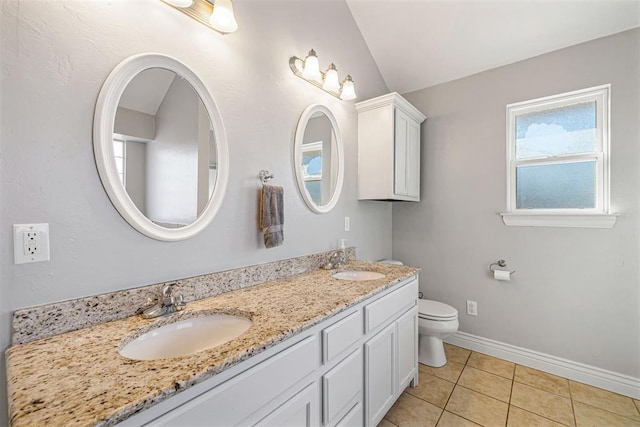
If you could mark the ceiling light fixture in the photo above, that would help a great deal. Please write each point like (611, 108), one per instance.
(215, 14)
(309, 69)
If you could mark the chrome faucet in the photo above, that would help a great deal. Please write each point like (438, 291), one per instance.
(166, 304)
(336, 260)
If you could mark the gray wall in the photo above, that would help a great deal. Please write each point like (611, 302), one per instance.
(576, 291)
(55, 57)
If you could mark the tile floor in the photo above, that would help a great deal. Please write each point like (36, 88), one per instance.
(475, 389)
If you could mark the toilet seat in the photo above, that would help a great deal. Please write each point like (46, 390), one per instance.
(434, 310)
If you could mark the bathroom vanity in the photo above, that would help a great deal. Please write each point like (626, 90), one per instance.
(321, 351)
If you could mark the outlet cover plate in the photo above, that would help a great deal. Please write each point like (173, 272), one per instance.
(30, 243)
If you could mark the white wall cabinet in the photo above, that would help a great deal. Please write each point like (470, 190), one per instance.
(388, 149)
(345, 371)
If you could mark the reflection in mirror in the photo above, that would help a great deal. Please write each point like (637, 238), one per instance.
(164, 148)
(319, 143)
(318, 158)
(160, 147)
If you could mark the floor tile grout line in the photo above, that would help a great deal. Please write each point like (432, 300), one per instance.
(484, 394)
(464, 365)
(510, 395)
(513, 380)
(605, 410)
(542, 389)
(540, 415)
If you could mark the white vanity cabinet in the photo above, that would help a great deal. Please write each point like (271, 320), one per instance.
(391, 356)
(346, 371)
(388, 149)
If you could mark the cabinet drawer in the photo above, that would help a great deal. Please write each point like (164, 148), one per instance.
(342, 388)
(341, 335)
(386, 308)
(234, 400)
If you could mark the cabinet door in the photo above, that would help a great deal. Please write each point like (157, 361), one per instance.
(413, 159)
(299, 411)
(380, 374)
(401, 133)
(353, 418)
(342, 388)
(407, 348)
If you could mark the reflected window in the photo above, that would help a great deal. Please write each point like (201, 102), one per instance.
(312, 169)
(119, 153)
(558, 153)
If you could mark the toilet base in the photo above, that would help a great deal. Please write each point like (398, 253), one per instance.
(431, 351)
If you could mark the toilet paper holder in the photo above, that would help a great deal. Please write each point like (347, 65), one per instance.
(500, 263)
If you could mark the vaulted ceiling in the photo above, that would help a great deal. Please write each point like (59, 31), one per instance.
(421, 43)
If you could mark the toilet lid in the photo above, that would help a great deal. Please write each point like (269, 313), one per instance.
(429, 309)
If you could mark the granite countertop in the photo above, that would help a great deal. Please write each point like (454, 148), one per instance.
(79, 379)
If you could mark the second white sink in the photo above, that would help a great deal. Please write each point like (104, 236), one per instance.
(186, 337)
(357, 275)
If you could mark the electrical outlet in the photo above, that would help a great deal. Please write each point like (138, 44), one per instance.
(347, 223)
(472, 308)
(30, 243)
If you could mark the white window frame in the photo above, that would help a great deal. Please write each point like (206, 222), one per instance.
(597, 217)
(123, 177)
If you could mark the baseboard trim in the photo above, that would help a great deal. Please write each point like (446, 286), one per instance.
(608, 380)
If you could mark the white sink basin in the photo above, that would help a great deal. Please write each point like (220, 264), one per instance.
(186, 337)
(357, 275)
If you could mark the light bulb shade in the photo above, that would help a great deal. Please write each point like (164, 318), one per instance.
(311, 69)
(348, 89)
(180, 3)
(331, 82)
(222, 18)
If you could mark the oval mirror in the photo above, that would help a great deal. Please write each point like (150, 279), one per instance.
(318, 158)
(160, 147)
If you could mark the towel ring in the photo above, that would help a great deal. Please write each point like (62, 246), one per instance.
(265, 176)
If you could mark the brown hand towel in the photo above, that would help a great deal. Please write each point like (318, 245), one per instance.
(272, 215)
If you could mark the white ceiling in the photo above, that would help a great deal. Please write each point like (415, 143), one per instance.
(421, 43)
(147, 90)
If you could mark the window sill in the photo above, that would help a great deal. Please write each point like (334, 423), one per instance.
(559, 220)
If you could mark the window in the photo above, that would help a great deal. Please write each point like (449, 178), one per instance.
(312, 169)
(119, 156)
(558, 160)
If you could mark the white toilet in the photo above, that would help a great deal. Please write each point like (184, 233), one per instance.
(436, 321)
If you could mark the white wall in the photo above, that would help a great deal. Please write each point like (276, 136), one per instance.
(575, 294)
(55, 57)
(136, 173)
(172, 158)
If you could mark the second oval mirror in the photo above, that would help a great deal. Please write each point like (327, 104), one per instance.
(318, 158)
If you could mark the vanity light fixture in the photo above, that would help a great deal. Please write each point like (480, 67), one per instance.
(215, 14)
(309, 69)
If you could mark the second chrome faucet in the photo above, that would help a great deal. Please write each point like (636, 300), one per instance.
(166, 304)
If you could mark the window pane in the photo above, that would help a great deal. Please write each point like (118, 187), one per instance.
(557, 186)
(565, 130)
(118, 148)
(314, 188)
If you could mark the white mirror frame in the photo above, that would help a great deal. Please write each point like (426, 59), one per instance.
(103, 123)
(297, 158)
